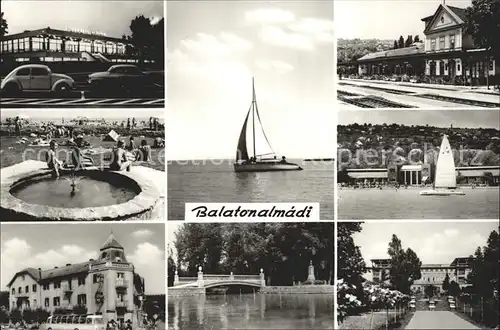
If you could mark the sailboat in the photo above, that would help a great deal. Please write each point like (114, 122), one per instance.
(445, 181)
(255, 162)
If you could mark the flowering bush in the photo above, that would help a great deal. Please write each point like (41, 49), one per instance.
(383, 298)
(347, 301)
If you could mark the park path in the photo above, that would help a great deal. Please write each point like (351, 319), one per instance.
(438, 320)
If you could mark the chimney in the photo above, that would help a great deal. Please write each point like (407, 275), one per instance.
(56, 267)
(68, 264)
(39, 273)
(91, 259)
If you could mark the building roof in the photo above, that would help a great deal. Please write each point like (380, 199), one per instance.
(54, 272)
(111, 242)
(63, 33)
(411, 168)
(415, 50)
(368, 175)
(460, 12)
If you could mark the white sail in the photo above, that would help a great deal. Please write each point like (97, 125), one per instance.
(445, 169)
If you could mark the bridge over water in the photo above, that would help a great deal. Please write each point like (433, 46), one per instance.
(216, 280)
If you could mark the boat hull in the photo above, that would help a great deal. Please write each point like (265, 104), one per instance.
(450, 192)
(266, 167)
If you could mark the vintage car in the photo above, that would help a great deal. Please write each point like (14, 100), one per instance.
(121, 76)
(74, 322)
(36, 78)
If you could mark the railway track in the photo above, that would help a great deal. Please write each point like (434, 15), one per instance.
(372, 102)
(473, 103)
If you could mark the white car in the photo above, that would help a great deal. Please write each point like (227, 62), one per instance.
(36, 78)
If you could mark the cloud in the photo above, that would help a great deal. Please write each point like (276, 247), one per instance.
(223, 45)
(17, 255)
(280, 37)
(269, 15)
(142, 233)
(149, 262)
(273, 65)
(319, 29)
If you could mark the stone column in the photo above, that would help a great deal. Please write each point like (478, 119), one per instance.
(176, 278)
(200, 277)
(310, 276)
(231, 276)
(262, 278)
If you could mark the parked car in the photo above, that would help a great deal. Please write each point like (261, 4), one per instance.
(121, 76)
(36, 78)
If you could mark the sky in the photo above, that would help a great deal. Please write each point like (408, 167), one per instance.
(48, 245)
(172, 228)
(89, 113)
(440, 118)
(385, 19)
(214, 50)
(109, 17)
(433, 242)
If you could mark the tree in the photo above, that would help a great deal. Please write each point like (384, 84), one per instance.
(4, 315)
(395, 44)
(405, 266)
(488, 177)
(416, 39)
(171, 268)
(4, 27)
(483, 19)
(16, 315)
(430, 290)
(351, 265)
(147, 39)
(454, 289)
(446, 283)
(485, 267)
(409, 41)
(401, 42)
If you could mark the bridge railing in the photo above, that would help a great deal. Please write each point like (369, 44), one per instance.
(188, 279)
(247, 277)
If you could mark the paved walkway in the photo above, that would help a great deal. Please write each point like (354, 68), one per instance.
(438, 320)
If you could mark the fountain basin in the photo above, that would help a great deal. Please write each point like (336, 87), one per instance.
(125, 195)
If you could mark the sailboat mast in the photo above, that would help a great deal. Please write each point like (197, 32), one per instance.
(253, 117)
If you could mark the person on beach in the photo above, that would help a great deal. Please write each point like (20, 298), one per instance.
(283, 159)
(131, 145)
(78, 159)
(144, 153)
(120, 161)
(52, 162)
(17, 124)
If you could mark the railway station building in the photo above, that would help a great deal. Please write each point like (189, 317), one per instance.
(447, 54)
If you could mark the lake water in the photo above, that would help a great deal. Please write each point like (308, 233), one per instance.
(251, 311)
(479, 203)
(206, 181)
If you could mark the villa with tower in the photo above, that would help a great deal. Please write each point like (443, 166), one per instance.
(107, 285)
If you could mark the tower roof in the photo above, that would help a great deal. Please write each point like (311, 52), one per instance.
(111, 242)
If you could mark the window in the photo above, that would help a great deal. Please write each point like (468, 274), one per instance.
(46, 287)
(57, 301)
(47, 302)
(82, 299)
(63, 319)
(13, 291)
(120, 275)
(433, 44)
(40, 72)
(19, 290)
(104, 254)
(96, 278)
(81, 280)
(441, 42)
(458, 66)
(34, 288)
(34, 302)
(23, 277)
(27, 289)
(452, 41)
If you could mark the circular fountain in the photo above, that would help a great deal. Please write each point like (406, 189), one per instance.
(89, 194)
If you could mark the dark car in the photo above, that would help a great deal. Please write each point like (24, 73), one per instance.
(122, 76)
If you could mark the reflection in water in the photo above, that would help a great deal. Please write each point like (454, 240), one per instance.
(251, 311)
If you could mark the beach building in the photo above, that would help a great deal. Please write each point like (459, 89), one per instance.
(432, 274)
(423, 173)
(447, 52)
(107, 285)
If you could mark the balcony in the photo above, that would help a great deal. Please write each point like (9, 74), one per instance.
(121, 303)
(66, 288)
(121, 283)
